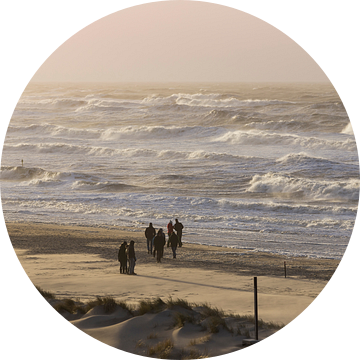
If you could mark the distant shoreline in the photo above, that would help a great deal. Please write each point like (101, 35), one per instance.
(38, 238)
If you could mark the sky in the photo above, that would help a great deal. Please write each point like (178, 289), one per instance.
(180, 41)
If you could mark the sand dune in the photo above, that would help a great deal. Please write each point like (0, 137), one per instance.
(178, 331)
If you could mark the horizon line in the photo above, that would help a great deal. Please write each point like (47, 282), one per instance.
(176, 82)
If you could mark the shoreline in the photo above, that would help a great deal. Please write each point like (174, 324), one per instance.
(38, 238)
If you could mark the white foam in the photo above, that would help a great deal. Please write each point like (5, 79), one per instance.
(348, 129)
(305, 188)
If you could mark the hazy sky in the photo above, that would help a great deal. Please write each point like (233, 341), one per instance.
(179, 41)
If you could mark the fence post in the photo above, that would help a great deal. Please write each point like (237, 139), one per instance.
(256, 309)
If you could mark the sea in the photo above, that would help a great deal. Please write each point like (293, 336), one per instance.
(262, 167)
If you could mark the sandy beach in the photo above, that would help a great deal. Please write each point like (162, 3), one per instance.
(81, 263)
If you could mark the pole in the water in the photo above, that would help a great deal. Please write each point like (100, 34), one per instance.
(285, 267)
(22, 162)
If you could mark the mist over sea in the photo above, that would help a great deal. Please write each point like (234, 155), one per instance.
(267, 167)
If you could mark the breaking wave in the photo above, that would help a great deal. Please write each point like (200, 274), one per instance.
(66, 149)
(264, 138)
(348, 129)
(101, 186)
(20, 173)
(209, 100)
(305, 188)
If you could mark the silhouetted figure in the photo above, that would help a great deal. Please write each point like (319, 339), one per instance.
(123, 258)
(159, 243)
(174, 240)
(170, 228)
(150, 233)
(131, 257)
(179, 228)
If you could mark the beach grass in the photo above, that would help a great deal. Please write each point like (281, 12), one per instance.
(108, 303)
(178, 302)
(207, 310)
(207, 321)
(45, 294)
(194, 354)
(155, 305)
(180, 319)
(215, 322)
(162, 349)
(201, 340)
(215, 318)
(152, 336)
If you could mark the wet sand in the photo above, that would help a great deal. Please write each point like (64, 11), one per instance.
(56, 239)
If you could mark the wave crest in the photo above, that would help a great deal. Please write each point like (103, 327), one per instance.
(20, 173)
(209, 100)
(264, 138)
(304, 188)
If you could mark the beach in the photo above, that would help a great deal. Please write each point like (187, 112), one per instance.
(81, 263)
(38, 239)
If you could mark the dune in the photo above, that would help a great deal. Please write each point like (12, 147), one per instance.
(171, 331)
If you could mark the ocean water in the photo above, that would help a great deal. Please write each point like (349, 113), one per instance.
(267, 167)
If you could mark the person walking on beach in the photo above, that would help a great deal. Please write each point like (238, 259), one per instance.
(174, 240)
(122, 258)
(150, 233)
(159, 243)
(170, 228)
(131, 257)
(179, 228)
(163, 242)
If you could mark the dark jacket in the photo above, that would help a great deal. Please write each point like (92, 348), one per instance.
(178, 227)
(131, 252)
(159, 241)
(122, 253)
(174, 240)
(150, 232)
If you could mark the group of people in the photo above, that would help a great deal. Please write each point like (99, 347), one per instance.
(155, 244)
(156, 241)
(127, 254)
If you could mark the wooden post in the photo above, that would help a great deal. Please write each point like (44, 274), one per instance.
(285, 267)
(256, 309)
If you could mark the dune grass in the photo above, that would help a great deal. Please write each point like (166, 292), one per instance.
(162, 349)
(108, 303)
(211, 311)
(199, 341)
(208, 319)
(45, 294)
(194, 354)
(70, 306)
(180, 319)
(178, 302)
(155, 305)
(215, 318)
